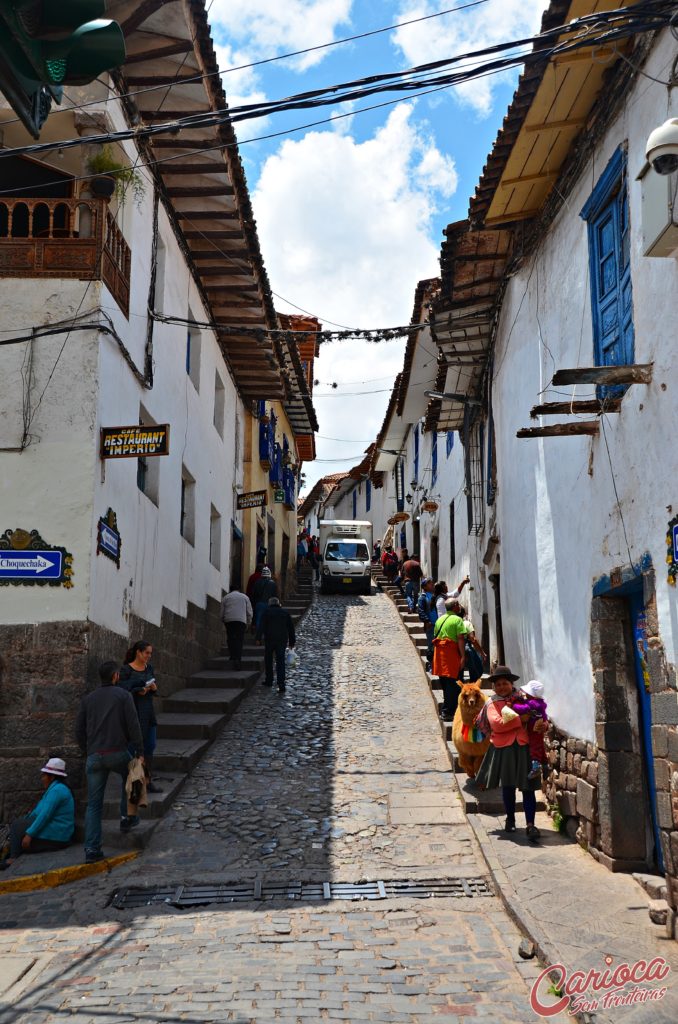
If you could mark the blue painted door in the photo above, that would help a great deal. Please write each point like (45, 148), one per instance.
(639, 632)
(613, 305)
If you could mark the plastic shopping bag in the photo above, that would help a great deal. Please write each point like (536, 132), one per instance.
(291, 658)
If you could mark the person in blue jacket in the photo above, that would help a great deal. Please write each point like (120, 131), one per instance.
(51, 823)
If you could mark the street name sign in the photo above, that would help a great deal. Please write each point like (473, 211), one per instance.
(28, 565)
(135, 442)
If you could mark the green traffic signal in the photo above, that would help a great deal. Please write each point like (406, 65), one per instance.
(47, 44)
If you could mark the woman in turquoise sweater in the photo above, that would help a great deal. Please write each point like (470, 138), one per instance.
(51, 823)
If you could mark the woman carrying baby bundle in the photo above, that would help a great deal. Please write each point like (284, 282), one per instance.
(507, 762)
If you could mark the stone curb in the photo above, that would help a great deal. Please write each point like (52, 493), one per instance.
(62, 876)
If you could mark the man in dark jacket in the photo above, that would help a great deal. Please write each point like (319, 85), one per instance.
(277, 630)
(106, 727)
(264, 588)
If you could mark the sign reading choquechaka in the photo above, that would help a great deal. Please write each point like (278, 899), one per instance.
(252, 499)
(135, 442)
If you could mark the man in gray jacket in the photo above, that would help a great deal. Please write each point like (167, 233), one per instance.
(107, 727)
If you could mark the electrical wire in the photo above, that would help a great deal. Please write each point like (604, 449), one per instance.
(586, 31)
(616, 494)
(254, 64)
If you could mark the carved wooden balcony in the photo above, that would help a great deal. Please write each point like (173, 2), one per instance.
(66, 238)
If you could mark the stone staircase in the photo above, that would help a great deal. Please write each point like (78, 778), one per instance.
(474, 801)
(188, 723)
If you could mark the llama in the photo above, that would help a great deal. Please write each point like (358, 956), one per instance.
(469, 741)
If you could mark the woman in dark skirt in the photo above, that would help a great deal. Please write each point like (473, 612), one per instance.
(137, 676)
(507, 761)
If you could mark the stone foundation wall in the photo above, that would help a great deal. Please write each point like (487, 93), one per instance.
(44, 671)
(573, 785)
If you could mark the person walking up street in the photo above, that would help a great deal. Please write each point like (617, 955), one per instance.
(276, 629)
(412, 574)
(51, 823)
(449, 654)
(264, 589)
(138, 676)
(426, 607)
(236, 615)
(106, 728)
(475, 655)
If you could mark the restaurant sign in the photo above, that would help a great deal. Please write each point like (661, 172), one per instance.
(135, 442)
(252, 499)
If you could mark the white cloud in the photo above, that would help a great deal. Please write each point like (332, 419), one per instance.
(345, 228)
(493, 22)
(268, 27)
(240, 86)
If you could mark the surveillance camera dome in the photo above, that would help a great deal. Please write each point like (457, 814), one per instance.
(662, 147)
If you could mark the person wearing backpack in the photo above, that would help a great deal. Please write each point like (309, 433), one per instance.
(426, 608)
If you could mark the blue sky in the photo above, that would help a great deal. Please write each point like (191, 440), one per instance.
(350, 215)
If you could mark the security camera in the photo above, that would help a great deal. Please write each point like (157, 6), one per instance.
(662, 147)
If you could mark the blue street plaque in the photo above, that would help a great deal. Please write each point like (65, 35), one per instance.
(110, 541)
(30, 565)
(675, 542)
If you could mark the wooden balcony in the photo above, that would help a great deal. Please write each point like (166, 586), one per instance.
(64, 238)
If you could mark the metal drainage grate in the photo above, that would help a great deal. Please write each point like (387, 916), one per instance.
(311, 892)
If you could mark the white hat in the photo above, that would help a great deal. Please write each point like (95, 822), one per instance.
(265, 572)
(55, 766)
(533, 689)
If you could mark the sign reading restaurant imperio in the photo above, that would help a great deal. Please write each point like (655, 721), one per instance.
(252, 499)
(133, 442)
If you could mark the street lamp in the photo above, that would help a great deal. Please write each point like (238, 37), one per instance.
(452, 397)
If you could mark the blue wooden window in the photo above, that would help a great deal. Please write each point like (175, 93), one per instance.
(434, 458)
(368, 495)
(416, 452)
(400, 485)
(607, 215)
(289, 487)
(355, 504)
(275, 472)
(449, 441)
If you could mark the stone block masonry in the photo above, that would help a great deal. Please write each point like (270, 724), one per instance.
(46, 668)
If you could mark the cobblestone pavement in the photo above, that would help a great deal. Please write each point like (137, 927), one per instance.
(344, 777)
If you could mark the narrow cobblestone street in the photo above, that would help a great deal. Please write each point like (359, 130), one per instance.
(343, 778)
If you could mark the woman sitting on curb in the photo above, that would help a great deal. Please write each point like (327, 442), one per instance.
(51, 823)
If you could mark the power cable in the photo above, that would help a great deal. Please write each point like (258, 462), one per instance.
(257, 63)
(619, 24)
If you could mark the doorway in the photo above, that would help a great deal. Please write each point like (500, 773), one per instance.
(236, 558)
(284, 563)
(638, 618)
(435, 557)
(416, 538)
(270, 545)
(499, 630)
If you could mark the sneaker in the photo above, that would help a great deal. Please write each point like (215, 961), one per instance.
(127, 824)
(510, 824)
(533, 833)
(91, 857)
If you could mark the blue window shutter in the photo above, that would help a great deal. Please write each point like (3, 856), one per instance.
(368, 495)
(188, 351)
(607, 214)
(449, 442)
(416, 452)
(434, 458)
(355, 504)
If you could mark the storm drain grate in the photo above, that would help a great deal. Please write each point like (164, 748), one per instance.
(307, 892)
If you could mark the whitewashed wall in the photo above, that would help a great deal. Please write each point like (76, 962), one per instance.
(560, 525)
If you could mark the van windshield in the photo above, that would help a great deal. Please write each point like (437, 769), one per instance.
(346, 550)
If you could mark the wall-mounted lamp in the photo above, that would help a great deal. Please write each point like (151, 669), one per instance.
(408, 499)
(450, 396)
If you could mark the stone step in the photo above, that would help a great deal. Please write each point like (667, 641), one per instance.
(177, 754)
(250, 662)
(218, 679)
(158, 803)
(487, 801)
(113, 839)
(190, 725)
(197, 699)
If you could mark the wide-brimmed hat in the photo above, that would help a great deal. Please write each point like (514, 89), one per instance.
(55, 766)
(502, 672)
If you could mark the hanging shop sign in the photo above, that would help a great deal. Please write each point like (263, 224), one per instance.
(108, 538)
(135, 442)
(252, 499)
(399, 517)
(430, 506)
(279, 496)
(26, 559)
(672, 551)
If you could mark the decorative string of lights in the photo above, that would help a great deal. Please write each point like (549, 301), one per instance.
(371, 334)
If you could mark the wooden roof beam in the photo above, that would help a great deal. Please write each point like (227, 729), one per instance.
(169, 49)
(576, 408)
(545, 126)
(527, 178)
(213, 167)
(640, 373)
(199, 191)
(573, 429)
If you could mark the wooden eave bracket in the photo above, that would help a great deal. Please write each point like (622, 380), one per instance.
(595, 406)
(639, 373)
(577, 427)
